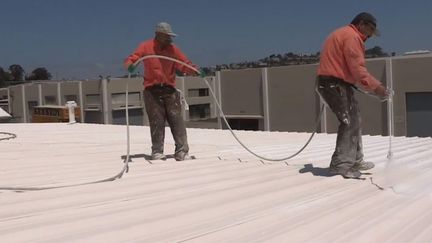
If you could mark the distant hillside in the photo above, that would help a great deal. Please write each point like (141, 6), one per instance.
(286, 59)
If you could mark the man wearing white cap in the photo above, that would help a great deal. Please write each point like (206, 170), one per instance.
(162, 100)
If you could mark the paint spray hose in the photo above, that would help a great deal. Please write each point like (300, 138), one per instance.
(126, 160)
(21, 189)
(119, 175)
(10, 135)
(125, 168)
(223, 115)
(252, 152)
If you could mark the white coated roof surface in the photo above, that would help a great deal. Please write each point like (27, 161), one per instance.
(225, 195)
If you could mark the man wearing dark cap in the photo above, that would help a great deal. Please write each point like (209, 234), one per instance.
(162, 100)
(341, 70)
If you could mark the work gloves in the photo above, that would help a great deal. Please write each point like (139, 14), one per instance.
(202, 73)
(131, 68)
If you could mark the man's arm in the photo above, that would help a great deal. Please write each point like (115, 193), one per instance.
(132, 58)
(354, 56)
(182, 68)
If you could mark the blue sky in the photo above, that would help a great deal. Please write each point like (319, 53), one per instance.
(86, 38)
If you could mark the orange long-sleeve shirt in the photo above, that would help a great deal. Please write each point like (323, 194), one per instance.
(156, 70)
(342, 57)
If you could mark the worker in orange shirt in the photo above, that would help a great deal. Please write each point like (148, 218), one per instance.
(162, 100)
(341, 70)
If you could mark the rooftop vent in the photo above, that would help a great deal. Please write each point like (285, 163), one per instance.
(417, 52)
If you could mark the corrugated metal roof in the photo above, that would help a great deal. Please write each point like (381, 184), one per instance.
(225, 195)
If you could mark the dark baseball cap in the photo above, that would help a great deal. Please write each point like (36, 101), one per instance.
(368, 18)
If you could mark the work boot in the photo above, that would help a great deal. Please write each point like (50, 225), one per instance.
(350, 173)
(180, 156)
(363, 165)
(158, 156)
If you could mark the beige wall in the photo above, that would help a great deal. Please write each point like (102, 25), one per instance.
(49, 89)
(241, 92)
(292, 98)
(69, 88)
(32, 95)
(294, 106)
(17, 103)
(119, 85)
(92, 87)
(409, 75)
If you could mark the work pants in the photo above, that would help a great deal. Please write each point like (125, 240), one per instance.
(339, 96)
(163, 104)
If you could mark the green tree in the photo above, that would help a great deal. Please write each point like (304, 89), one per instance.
(17, 72)
(2, 77)
(39, 74)
(376, 52)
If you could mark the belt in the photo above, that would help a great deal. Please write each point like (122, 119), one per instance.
(334, 79)
(325, 77)
(160, 85)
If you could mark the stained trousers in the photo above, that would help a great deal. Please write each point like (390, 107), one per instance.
(163, 104)
(339, 96)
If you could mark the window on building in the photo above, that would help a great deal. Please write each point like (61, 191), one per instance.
(244, 124)
(118, 100)
(198, 92)
(71, 98)
(93, 102)
(50, 100)
(419, 114)
(200, 111)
